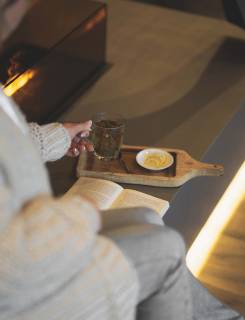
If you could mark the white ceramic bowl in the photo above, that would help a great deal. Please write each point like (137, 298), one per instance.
(165, 159)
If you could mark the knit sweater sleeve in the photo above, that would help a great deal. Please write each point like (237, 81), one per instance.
(52, 140)
(45, 246)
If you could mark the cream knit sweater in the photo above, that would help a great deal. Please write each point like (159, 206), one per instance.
(53, 264)
(52, 140)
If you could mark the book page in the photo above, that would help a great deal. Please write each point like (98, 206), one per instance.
(130, 198)
(101, 192)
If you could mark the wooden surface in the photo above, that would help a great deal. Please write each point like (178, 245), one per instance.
(126, 169)
(224, 273)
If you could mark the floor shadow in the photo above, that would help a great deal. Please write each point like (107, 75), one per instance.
(224, 70)
(208, 8)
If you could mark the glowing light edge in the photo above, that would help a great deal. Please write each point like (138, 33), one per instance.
(204, 243)
(18, 83)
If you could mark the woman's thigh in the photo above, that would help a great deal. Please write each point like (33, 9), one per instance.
(153, 250)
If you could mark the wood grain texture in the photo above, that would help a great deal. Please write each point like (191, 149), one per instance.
(224, 273)
(126, 169)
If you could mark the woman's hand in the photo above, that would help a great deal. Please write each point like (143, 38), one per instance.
(78, 133)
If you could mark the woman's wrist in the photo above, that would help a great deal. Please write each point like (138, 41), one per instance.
(52, 140)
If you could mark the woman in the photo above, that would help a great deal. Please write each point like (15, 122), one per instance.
(54, 261)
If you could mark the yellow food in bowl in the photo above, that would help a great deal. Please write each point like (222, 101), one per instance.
(154, 160)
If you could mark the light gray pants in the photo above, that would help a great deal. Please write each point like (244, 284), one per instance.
(167, 289)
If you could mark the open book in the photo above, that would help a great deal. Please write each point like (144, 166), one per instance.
(109, 195)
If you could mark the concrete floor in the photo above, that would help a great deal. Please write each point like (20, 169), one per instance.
(181, 72)
(176, 77)
(210, 8)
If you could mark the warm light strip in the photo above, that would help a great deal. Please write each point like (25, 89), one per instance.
(95, 20)
(18, 83)
(203, 245)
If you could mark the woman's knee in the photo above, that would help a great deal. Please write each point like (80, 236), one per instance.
(147, 215)
(148, 241)
(116, 218)
(170, 243)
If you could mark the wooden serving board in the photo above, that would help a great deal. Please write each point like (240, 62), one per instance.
(126, 169)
